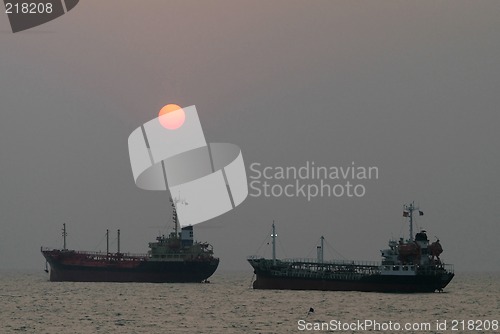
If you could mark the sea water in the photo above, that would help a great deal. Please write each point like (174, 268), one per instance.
(29, 303)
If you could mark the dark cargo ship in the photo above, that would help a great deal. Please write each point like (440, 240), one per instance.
(175, 259)
(407, 266)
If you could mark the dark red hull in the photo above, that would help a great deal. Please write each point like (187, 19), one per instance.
(71, 266)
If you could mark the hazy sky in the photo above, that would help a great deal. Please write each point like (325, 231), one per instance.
(409, 87)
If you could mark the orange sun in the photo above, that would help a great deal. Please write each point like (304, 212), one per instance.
(171, 116)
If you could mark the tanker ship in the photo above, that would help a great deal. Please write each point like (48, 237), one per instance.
(411, 265)
(175, 258)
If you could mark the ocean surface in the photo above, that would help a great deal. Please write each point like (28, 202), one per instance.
(29, 303)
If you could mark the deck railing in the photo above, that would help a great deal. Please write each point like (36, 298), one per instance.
(100, 254)
(315, 261)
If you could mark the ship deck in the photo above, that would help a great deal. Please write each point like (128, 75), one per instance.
(336, 270)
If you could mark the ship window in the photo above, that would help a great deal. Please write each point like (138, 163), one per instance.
(395, 268)
(412, 268)
(405, 268)
(387, 268)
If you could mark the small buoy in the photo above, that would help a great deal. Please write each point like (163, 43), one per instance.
(311, 310)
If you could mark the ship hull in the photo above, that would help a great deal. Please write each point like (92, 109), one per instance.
(141, 270)
(369, 284)
(265, 279)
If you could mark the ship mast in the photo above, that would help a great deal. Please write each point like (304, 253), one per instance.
(320, 250)
(409, 213)
(64, 234)
(274, 235)
(174, 213)
(175, 217)
(118, 237)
